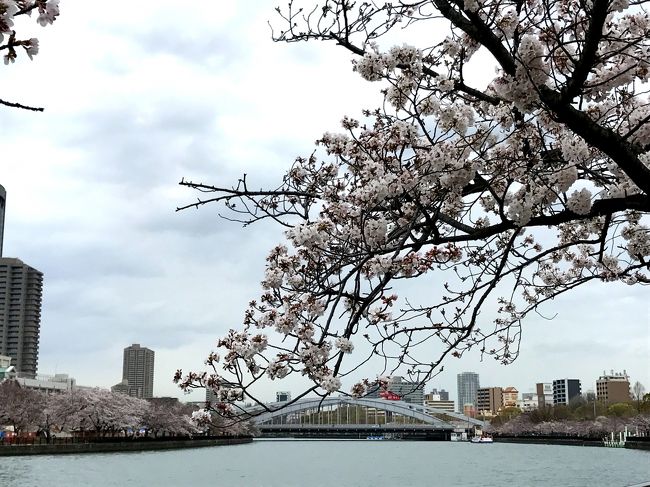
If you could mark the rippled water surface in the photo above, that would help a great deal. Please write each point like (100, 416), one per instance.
(338, 463)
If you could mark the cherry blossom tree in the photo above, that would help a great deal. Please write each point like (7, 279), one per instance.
(163, 418)
(20, 408)
(13, 43)
(492, 200)
(106, 413)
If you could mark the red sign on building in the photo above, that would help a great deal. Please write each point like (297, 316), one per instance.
(390, 396)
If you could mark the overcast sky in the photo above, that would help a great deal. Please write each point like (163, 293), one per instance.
(141, 94)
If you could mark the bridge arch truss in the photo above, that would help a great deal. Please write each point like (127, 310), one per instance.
(420, 413)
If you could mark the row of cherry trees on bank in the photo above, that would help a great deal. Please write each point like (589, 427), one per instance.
(437, 223)
(526, 424)
(96, 412)
(580, 417)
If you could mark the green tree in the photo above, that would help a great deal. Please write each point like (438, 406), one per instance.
(621, 410)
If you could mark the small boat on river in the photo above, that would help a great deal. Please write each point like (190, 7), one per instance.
(482, 439)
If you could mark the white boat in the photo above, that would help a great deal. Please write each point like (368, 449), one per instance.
(482, 439)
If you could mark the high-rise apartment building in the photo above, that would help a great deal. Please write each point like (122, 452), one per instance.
(489, 400)
(3, 204)
(21, 290)
(137, 370)
(565, 389)
(468, 386)
(613, 387)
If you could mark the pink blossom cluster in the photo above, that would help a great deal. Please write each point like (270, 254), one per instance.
(48, 11)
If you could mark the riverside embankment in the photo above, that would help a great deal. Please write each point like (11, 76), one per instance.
(636, 443)
(107, 445)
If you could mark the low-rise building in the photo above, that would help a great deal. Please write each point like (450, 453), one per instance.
(469, 410)
(510, 397)
(7, 371)
(56, 383)
(544, 394)
(283, 396)
(528, 402)
(444, 395)
(435, 400)
(490, 400)
(613, 387)
(564, 390)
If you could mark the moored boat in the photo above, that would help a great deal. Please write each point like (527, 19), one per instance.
(482, 439)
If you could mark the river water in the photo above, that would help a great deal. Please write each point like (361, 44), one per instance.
(338, 463)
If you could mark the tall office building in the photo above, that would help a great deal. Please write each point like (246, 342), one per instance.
(21, 291)
(137, 371)
(468, 386)
(3, 204)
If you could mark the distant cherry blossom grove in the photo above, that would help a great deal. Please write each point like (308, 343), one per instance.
(494, 200)
(11, 42)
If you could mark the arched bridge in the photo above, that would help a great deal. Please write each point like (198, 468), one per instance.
(350, 417)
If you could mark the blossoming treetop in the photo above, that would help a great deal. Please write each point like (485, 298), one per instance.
(11, 42)
(510, 195)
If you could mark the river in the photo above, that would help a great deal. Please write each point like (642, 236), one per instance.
(292, 463)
